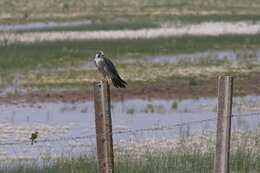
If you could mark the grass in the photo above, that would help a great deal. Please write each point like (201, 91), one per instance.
(174, 105)
(165, 163)
(147, 73)
(180, 163)
(182, 155)
(101, 25)
(58, 54)
(129, 22)
(106, 10)
(62, 63)
(52, 64)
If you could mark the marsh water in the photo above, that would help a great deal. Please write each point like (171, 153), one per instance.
(224, 56)
(43, 25)
(72, 125)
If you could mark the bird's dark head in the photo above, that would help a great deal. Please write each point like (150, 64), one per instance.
(99, 54)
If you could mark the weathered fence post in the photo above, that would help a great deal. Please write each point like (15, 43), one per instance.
(103, 119)
(225, 92)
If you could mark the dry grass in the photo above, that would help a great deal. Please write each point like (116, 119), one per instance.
(146, 72)
(64, 9)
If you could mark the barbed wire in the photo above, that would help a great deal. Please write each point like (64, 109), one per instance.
(170, 127)
(246, 114)
(50, 140)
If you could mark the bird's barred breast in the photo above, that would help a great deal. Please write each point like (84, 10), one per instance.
(100, 65)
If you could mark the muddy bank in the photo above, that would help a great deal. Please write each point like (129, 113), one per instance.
(166, 89)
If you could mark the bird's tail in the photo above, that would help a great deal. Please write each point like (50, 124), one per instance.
(118, 82)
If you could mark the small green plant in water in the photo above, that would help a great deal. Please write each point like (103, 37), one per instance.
(130, 110)
(149, 108)
(186, 110)
(160, 109)
(174, 105)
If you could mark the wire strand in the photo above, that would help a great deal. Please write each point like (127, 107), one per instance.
(170, 127)
(246, 114)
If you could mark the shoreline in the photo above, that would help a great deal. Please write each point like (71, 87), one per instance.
(164, 89)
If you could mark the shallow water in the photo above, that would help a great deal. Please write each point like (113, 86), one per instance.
(78, 118)
(201, 29)
(223, 57)
(42, 25)
(71, 125)
(230, 56)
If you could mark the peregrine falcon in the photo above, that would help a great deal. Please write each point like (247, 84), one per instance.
(108, 69)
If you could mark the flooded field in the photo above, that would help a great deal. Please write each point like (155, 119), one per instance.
(223, 56)
(169, 52)
(201, 29)
(42, 25)
(71, 125)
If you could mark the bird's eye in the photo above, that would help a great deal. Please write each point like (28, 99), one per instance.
(98, 54)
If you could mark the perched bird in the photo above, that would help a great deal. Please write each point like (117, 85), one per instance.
(33, 137)
(108, 69)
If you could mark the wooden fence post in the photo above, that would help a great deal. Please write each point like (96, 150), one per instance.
(103, 120)
(225, 93)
